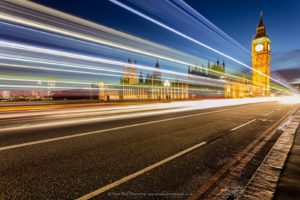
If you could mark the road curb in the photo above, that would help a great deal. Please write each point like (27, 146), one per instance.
(264, 182)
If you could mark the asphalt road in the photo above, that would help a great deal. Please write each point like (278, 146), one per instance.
(126, 153)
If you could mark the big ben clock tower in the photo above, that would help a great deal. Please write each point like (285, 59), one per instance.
(261, 51)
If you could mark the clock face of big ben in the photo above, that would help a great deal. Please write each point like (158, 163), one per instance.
(259, 47)
(269, 47)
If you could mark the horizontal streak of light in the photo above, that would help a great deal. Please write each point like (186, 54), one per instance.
(154, 89)
(95, 59)
(97, 40)
(45, 87)
(84, 83)
(43, 81)
(79, 22)
(188, 9)
(171, 89)
(49, 69)
(116, 85)
(39, 25)
(192, 39)
(182, 106)
(101, 60)
(121, 63)
(89, 73)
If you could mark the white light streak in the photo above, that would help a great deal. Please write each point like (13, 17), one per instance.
(192, 39)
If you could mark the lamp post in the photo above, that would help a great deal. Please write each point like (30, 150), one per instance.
(167, 84)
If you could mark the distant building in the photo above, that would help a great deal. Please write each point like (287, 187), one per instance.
(214, 70)
(130, 73)
(238, 86)
(156, 75)
(136, 87)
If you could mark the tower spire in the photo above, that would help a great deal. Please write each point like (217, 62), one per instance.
(260, 29)
(261, 22)
(157, 64)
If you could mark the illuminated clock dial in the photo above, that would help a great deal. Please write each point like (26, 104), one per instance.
(259, 47)
(269, 47)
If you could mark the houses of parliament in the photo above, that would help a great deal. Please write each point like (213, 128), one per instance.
(136, 86)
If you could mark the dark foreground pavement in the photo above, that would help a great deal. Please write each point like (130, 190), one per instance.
(166, 156)
(289, 182)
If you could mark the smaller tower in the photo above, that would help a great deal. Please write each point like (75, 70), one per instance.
(130, 73)
(141, 78)
(157, 73)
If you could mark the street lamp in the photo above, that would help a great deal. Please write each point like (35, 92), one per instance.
(167, 84)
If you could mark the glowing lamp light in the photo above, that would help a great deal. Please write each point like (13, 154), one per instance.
(167, 83)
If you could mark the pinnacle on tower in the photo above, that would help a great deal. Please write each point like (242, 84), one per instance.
(260, 29)
(261, 22)
(157, 64)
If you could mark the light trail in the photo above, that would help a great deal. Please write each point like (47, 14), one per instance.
(172, 107)
(91, 73)
(86, 83)
(102, 74)
(96, 40)
(97, 59)
(119, 40)
(200, 18)
(47, 87)
(192, 40)
(89, 58)
(93, 39)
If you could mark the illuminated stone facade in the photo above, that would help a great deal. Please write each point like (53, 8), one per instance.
(237, 88)
(152, 87)
(214, 70)
(130, 73)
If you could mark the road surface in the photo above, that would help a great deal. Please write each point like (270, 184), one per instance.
(143, 152)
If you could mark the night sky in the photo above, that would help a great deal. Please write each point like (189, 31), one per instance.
(237, 18)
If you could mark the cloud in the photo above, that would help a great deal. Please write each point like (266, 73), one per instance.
(285, 60)
(287, 64)
(291, 75)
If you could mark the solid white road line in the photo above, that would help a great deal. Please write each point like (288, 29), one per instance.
(240, 126)
(268, 113)
(105, 130)
(138, 173)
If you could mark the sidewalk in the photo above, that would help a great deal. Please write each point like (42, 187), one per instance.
(289, 182)
(278, 177)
